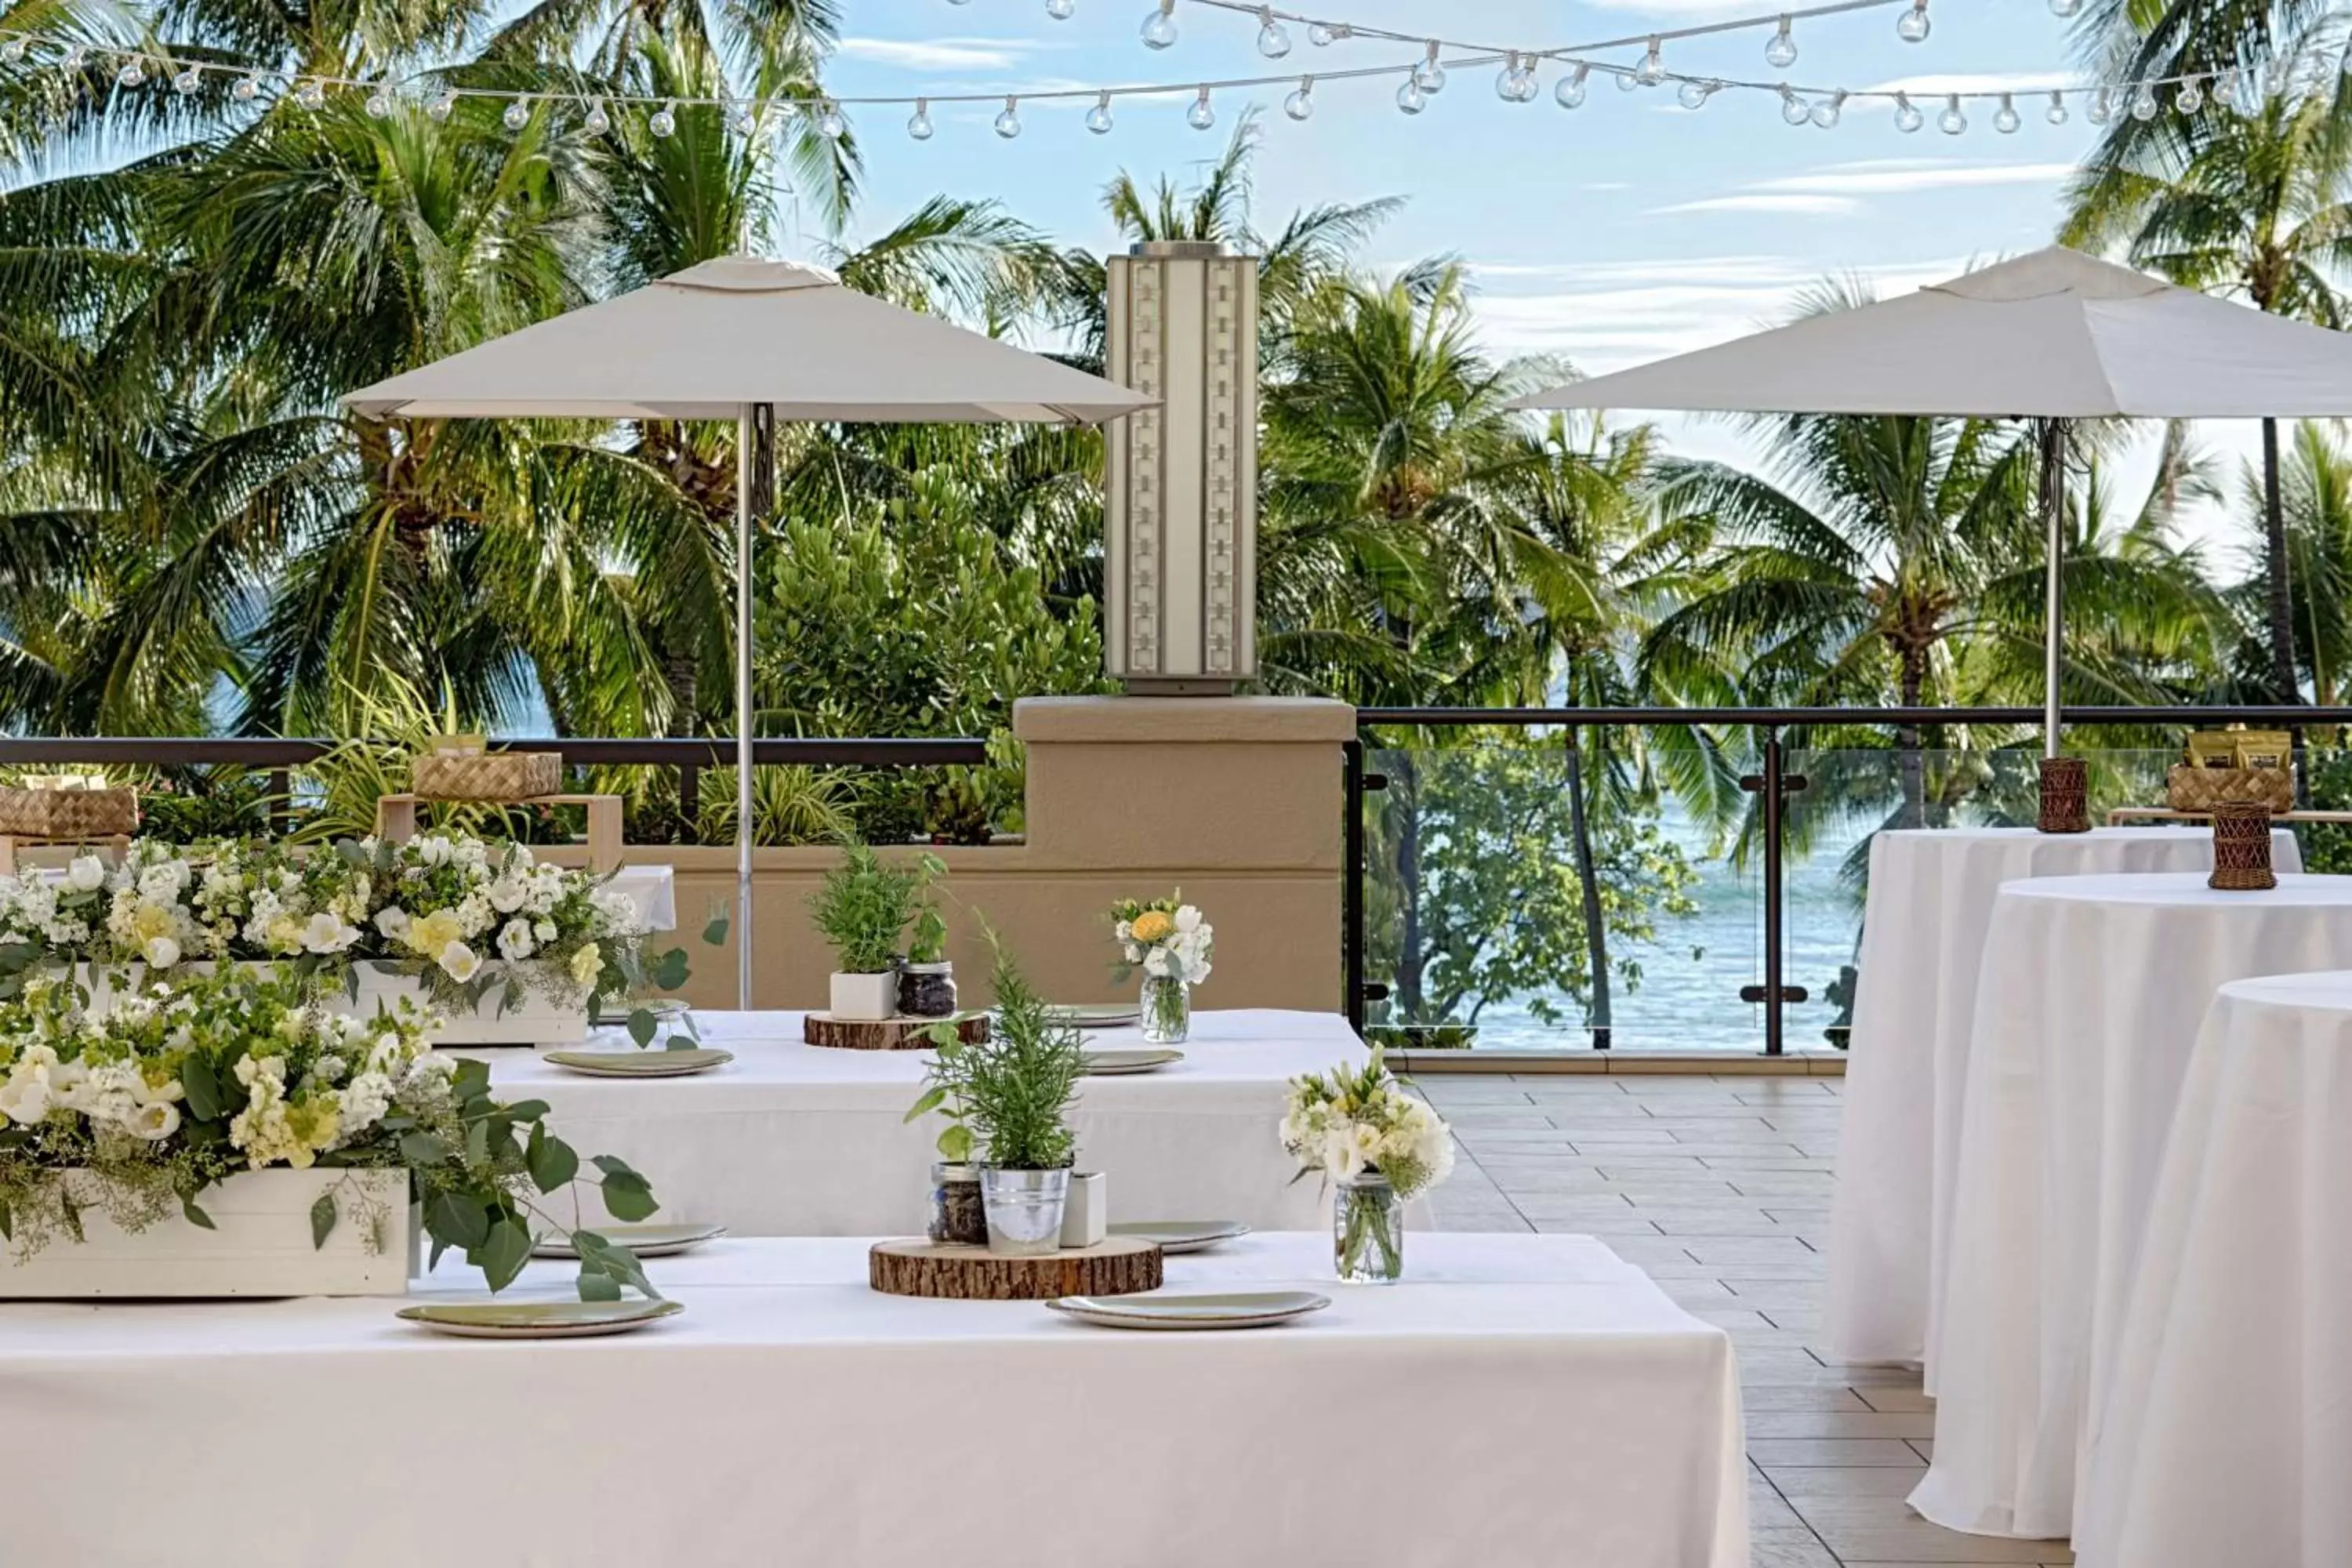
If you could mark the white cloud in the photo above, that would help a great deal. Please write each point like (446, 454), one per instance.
(1893, 175)
(937, 54)
(1962, 81)
(1805, 204)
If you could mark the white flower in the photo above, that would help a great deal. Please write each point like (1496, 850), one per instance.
(544, 931)
(459, 963)
(587, 963)
(155, 1121)
(1124, 930)
(507, 895)
(1159, 962)
(325, 933)
(25, 1098)
(1188, 920)
(160, 951)
(85, 875)
(515, 942)
(393, 921)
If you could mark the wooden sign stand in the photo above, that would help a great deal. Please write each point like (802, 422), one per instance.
(396, 819)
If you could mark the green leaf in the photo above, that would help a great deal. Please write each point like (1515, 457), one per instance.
(511, 1000)
(456, 1220)
(955, 1143)
(501, 1257)
(7, 1223)
(642, 1026)
(526, 1110)
(629, 1197)
(423, 1149)
(596, 1285)
(613, 1165)
(549, 1160)
(933, 1098)
(670, 970)
(201, 1088)
(614, 1259)
(324, 1214)
(715, 933)
(478, 1143)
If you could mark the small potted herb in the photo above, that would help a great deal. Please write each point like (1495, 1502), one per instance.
(862, 910)
(957, 1211)
(1015, 1089)
(927, 987)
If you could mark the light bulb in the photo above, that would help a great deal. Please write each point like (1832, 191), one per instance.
(1008, 122)
(132, 74)
(1951, 122)
(1273, 37)
(1625, 80)
(1913, 25)
(1061, 10)
(1098, 117)
(1301, 103)
(1320, 35)
(247, 87)
(378, 105)
(1694, 94)
(1781, 51)
(829, 124)
(2279, 77)
(310, 95)
(1409, 98)
(71, 61)
(743, 121)
(1517, 84)
(919, 124)
(2143, 105)
(1159, 28)
(518, 114)
(1652, 68)
(1908, 117)
(2189, 99)
(596, 122)
(2225, 91)
(2056, 113)
(187, 81)
(1202, 114)
(440, 108)
(1794, 109)
(2064, 8)
(663, 121)
(1827, 112)
(1569, 92)
(1429, 75)
(2100, 109)
(12, 51)
(2004, 118)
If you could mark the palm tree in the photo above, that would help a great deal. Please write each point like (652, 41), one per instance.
(2316, 487)
(2258, 204)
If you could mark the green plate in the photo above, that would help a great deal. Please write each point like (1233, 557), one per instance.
(1181, 1236)
(644, 1240)
(641, 1064)
(1104, 1064)
(537, 1320)
(1104, 1015)
(1228, 1310)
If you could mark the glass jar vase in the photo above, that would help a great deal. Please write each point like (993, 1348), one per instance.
(957, 1212)
(1167, 1010)
(1368, 1230)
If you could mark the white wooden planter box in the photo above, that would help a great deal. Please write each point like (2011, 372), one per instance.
(260, 1246)
(537, 1022)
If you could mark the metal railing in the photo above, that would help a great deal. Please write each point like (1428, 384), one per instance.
(1770, 781)
(690, 756)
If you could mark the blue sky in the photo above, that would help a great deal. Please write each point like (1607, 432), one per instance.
(1612, 233)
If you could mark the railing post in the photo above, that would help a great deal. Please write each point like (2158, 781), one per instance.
(689, 803)
(1775, 786)
(1352, 885)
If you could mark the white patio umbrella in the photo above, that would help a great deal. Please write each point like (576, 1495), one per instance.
(754, 342)
(2054, 336)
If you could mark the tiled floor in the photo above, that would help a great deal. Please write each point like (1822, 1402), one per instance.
(1719, 1187)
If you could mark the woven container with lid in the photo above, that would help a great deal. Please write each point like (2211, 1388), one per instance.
(488, 775)
(75, 813)
(2203, 789)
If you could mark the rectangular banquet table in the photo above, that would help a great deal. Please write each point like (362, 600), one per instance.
(1521, 1400)
(797, 1140)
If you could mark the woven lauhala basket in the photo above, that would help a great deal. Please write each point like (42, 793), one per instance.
(2203, 789)
(488, 775)
(2241, 848)
(73, 813)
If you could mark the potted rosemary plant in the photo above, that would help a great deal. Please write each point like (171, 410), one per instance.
(1015, 1089)
(862, 910)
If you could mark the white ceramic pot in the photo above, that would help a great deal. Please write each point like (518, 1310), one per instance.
(1085, 1214)
(865, 998)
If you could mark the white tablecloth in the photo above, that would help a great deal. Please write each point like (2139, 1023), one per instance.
(797, 1140)
(2092, 992)
(1524, 1402)
(2228, 1415)
(1923, 932)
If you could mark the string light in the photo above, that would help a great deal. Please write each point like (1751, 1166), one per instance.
(1430, 74)
(1008, 123)
(2064, 8)
(829, 122)
(597, 121)
(311, 94)
(1694, 94)
(1951, 122)
(1273, 37)
(663, 121)
(2189, 99)
(378, 105)
(132, 74)
(1517, 83)
(1652, 68)
(1908, 117)
(1300, 104)
(2056, 113)
(1827, 112)
(1913, 27)
(1781, 50)
(2005, 120)
(187, 81)
(1323, 35)
(441, 108)
(1794, 109)
(2143, 106)
(2100, 111)
(1061, 10)
(919, 124)
(247, 87)
(1098, 117)
(12, 51)
(1202, 114)
(1569, 93)
(743, 120)
(518, 114)
(1159, 33)
(1410, 98)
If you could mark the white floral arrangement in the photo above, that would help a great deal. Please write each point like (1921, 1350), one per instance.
(139, 1107)
(1166, 938)
(477, 914)
(1351, 1123)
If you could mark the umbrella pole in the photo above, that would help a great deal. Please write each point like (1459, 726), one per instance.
(755, 430)
(2052, 434)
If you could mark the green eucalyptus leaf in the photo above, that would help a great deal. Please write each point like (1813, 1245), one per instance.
(549, 1160)
(423, 1149)
(501, 1257)
(324, 1214)
(478, 1143)
(642, 1027)
(200, 1088)
(457, 1220)
(596, 1285)
(629, 1197)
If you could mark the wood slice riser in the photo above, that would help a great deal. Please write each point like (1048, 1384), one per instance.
(886, 1035)
(1118, 1267)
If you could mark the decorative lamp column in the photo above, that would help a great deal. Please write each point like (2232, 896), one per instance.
(1180, 603)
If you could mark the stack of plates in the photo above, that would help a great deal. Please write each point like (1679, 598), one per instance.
(537, 1319)
(1229, 1309)
(672, 1063)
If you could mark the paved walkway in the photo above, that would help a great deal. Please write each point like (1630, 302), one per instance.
(1720, 1188)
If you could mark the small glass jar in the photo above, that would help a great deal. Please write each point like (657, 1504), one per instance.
(1368, 1230)
(1167, 1005)
(927, 989)
(959, 1213)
